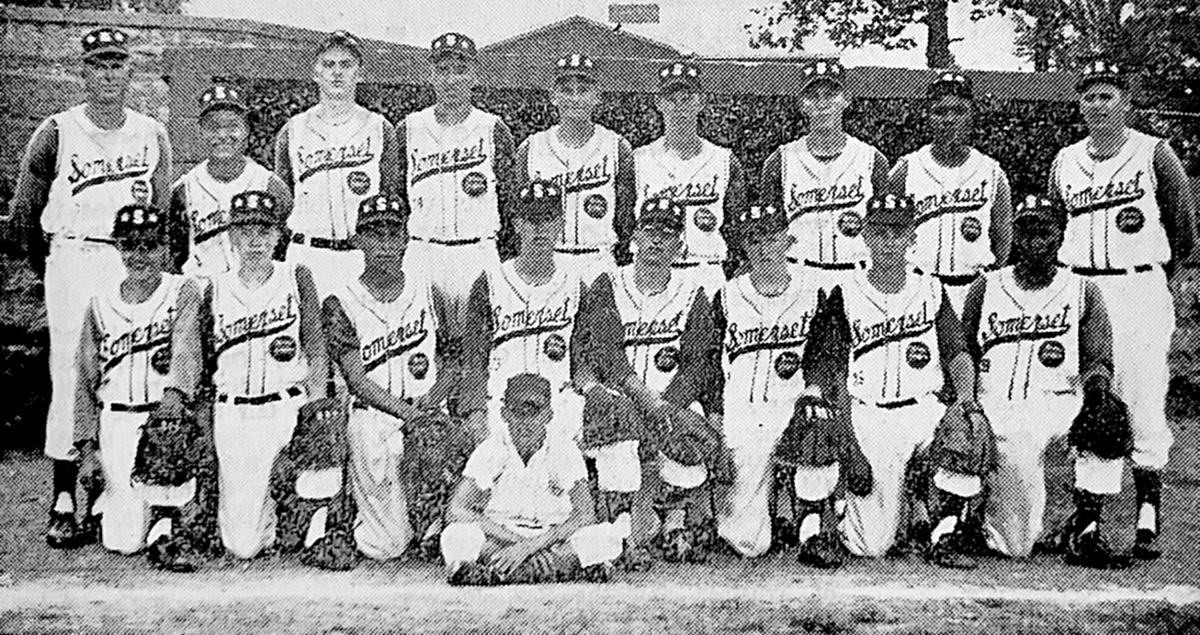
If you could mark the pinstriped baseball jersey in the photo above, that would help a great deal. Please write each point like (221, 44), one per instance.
(893, 339)
(1029, 339)
(826, 200)
(256, 333)
(208, 212)
(135, 342)
(99, 171)
(698, 184)
(397, 339)
(954, 208)
(451, 176)
(335, 167)
(1113, 219)
(587, 176)
(654, 323)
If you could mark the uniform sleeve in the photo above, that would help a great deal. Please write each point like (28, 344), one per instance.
(1000, 229)
(972, 307)
(401, 144)
(87, 365)
(699, 377)
(179, 228)
(735, 202)
(624, 212)
(1095, 336)
(1052, 185)
(502, 139)
(1175, 199)
(770, 186)
(312, 336)
(389, 171)
(22, 229)
(597, 342)
(340, 334)
(879, 172)
(485, 464)
(950, 338)
(283, 159)
(477, 334)
(283, 206)
(187, 348)
(896, 181)
(160, 181)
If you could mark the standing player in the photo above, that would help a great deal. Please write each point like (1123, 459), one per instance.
(333, 156)
(594, 168)
(1130, 213)
(79, 166)
(704, 178)
(455, 164)
(964, 211)
(203, 194)
(823, 179)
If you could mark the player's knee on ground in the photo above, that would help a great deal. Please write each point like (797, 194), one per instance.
(123, 524)
(461, 543)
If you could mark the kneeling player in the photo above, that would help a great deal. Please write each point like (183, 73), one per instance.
(522, 513)
(1040, 333)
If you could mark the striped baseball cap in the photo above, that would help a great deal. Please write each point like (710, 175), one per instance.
(1101, 71)
(1038, 206)
(538, 201)
(254, 207)
(105, 41)
(890, 209)
(662, 212)
(221, 96)
(823, 71)
(681, 74)
(761, 219)
(381, 209)
(575, 65)
(138, 220)
(452, 45)
(951, 83)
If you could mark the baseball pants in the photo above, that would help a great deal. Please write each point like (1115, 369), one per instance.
(330, 268)
(752, 430)
(382, 528)
(75, 270)
(453, 268)
(594, 544)
(248, 439)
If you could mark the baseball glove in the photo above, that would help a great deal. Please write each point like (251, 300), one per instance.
(1102, 425)
(166, 450)
(688, 439)
(812, 437)
(608, 418)
(319, 441)
(963, 442)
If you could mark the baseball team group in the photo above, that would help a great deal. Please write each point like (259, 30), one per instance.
(551, 361)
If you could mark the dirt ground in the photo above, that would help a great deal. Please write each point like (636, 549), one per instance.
(89, 590)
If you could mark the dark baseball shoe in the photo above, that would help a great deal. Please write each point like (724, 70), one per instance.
(474, 574)
(675, 545)
(335, 551)
(1145, 545)
(89, 530)
(823, 551)
(173, 553)
(783, 535)
(62, 532)
(951, 552)
(914, 541)
(634, 558)
(1090, 550)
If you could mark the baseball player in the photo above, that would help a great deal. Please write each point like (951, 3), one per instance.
(387, 331)
(1130, 214)
(823, 179)
(703, 177)
(1039, 334)
(80, 165)
(455, 163)
(964, 212)
(270, 354)
(592, 165)
(522, 511)
(202, 195)
(332, 156)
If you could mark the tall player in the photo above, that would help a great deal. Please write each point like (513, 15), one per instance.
(823, 179)
(333, 156)
(1130, 215)
(703, 177)
(80, 165)
(964, 211)
(593, 166)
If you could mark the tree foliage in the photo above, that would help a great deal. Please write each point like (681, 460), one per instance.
(124, 6)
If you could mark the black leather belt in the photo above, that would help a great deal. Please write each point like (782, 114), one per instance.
(132, 407)
(696, 263)
(258, 400)
(1102, 271)
(831, 266)
(577, 251)
(335, 244)
(86, 239)
(451, 242)
(892, 405)
(956, 279)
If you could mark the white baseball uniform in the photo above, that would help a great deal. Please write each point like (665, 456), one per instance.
(208, 214)
(1115, 236)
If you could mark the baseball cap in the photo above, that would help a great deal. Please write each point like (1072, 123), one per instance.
(342, 39)
(539, 201)
(761, 219)
(662, 212)
(138, 220)
(1038, 206)
(221, 96)
(951, 83)
(823, 71)
(452, 45)
(575, 65)
(381, 209)
(889, 209)
(105, 41)
(527, 394)
(1101, 71)
(676, 75)
(253, 207)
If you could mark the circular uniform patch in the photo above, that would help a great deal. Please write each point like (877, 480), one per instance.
(1051, 354)
(358, 182)
(1130, 220)
(140, 191)
(971, 229)
(474, 184)
(917, 355)
(160, 359)
(555, 347)
(787, 364)
(418, 365)
(666, 359)
(283, 348)
(850, 224)
(595, 206)
(705, 220)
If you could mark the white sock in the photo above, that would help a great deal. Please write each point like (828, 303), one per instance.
(160, 528)
(316, 527)
(64, 504)
(944, 526)
(1089, 529)
(839, 507)
(1147, 518)
(809, 527)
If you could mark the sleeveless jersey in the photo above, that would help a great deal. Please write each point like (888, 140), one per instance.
(533, 326)
(397, 339)
(208, 214)
(135, 342)
(1029, 339)
(954, 212)
(98, 172)
(893, 339)
(698, 184)
(654, 323)
(587, 176)
(826, 200)
(451, 176)
(256, 333)
(1113, 220)
(333, 168)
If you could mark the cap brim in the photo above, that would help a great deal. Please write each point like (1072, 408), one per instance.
(660, 224)
(824, 78)
(107, 51)
(256, 219)
(378, 222)
(575, 74)
(226, 105)
(1115, 81)
(441, 55)
(679, 83)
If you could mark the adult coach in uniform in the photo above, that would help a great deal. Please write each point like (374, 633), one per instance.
(455, 162)
(1130, 214)
(333, 156)
(592, 165)
(80, 166)
(823, 179)
(964, 211)
(706, 179)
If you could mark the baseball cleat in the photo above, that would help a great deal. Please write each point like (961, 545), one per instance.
(1090, 550)
(675, 545)
(951, 552)
(823, 551)
(62, 531)
(1145, 546)
(335, 551)
(634, 558)
(173, 554)
(474, 574)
